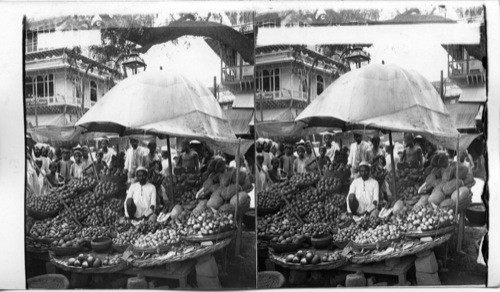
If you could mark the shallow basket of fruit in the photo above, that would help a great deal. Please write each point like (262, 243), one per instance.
(341, 244)
(120, 248)
(321, 241)
(90, 263)
(152, 250)
(309, 260)
(209, 237)
(372, 246)
(431, 233)
(40, 215)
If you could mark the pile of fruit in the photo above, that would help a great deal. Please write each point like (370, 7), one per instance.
(310, 230)
(319, 214)
(89, 233)
(106, 189)
(187, 197)
(347, 234)
(329, 185)
(303, 180)
(381, 233)
(126, 238)
(414, 175)
(68, 240)
(88, 200)
(340, 170)
(85, 183)
(336, 203)
(277, 224)
(287, 188)
(30, 243)
(287, 237)
(304, 258)
(429, 218)
(65, 192)
(91, 261)
(147, 226)
(269, 198)
(114, 204)
(188, 179)
(156, 239)
(56, 227)
(43, 204)
(100, 215)
(207, 223)
(409, 191)
(78, 209)
(369, 222)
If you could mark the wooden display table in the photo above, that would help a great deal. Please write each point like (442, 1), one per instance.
(380, 268)
(177, 271)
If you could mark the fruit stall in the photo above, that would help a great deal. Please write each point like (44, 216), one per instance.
(303, 228)
(80, 228)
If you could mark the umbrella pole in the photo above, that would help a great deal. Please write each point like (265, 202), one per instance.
(171, 170)
(238, 221)
(393, 166)
(92, 159)
(316, 159)
(461, 216)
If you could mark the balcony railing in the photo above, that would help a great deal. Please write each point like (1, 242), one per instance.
(58, 99)
(464, 68)
(283, 94)
(237, 73)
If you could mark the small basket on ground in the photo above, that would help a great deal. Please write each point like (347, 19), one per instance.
(66, 251)
(48, 282)
(285, 247)
(341, 244)
(101, 244)
(270, 280)
(262, 211)
(39, 215)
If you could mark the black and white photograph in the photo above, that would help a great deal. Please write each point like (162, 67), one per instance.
(370, 154)
(139, 151)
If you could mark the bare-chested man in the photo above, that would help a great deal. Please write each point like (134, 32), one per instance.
(412, 153)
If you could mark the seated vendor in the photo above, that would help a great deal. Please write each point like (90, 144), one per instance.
(363, 192)
(141, 197)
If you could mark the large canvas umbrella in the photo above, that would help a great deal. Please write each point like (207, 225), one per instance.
(159, 101)
(384, 97)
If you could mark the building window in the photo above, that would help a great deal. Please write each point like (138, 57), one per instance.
(40, 86)
(49, 85)
(31, 41)
(320, 84)
(268, 80)
(93, 91)
(28, 87)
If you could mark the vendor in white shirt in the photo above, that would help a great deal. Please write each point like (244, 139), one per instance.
(141, 197)
(363, 192)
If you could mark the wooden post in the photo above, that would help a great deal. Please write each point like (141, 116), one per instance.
(316, 158)
(171, 170)
(92, 159)
(215, 87)
(442, 86)
(393, 166)
(461, 219)
(36, 111)
(238, 221)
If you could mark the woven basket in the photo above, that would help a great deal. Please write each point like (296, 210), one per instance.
(213, 237)
(419, 247)
(267, 237)
(431, 233)
(261, 211)
(151, 250)
(280, 259)
(43, 215)
(321, 242)
(270, 280)
(180, 257)
(48, 282)
(372, 246)
(43, 240)
(61, 263)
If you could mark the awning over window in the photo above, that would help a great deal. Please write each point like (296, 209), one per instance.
(464, 114)
(240, 120)
(244, 100)
(282, 114)
(473, 94)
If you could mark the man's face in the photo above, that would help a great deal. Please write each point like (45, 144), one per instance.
(141, 177)
(259, 147)
(37, 152)
(99, 156)
(308, 148)
(260, 160)
(364, 172)
(357, 138)
(105, 143)
(408, 140)
(134, 143)
(276, 164)
(288, 151)
(78, 157)
(376, 143)
(322, 152)
(328, 139)
(65, 155)
(152, 149)
(301, 152)
(53, 169)
(85, 153)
